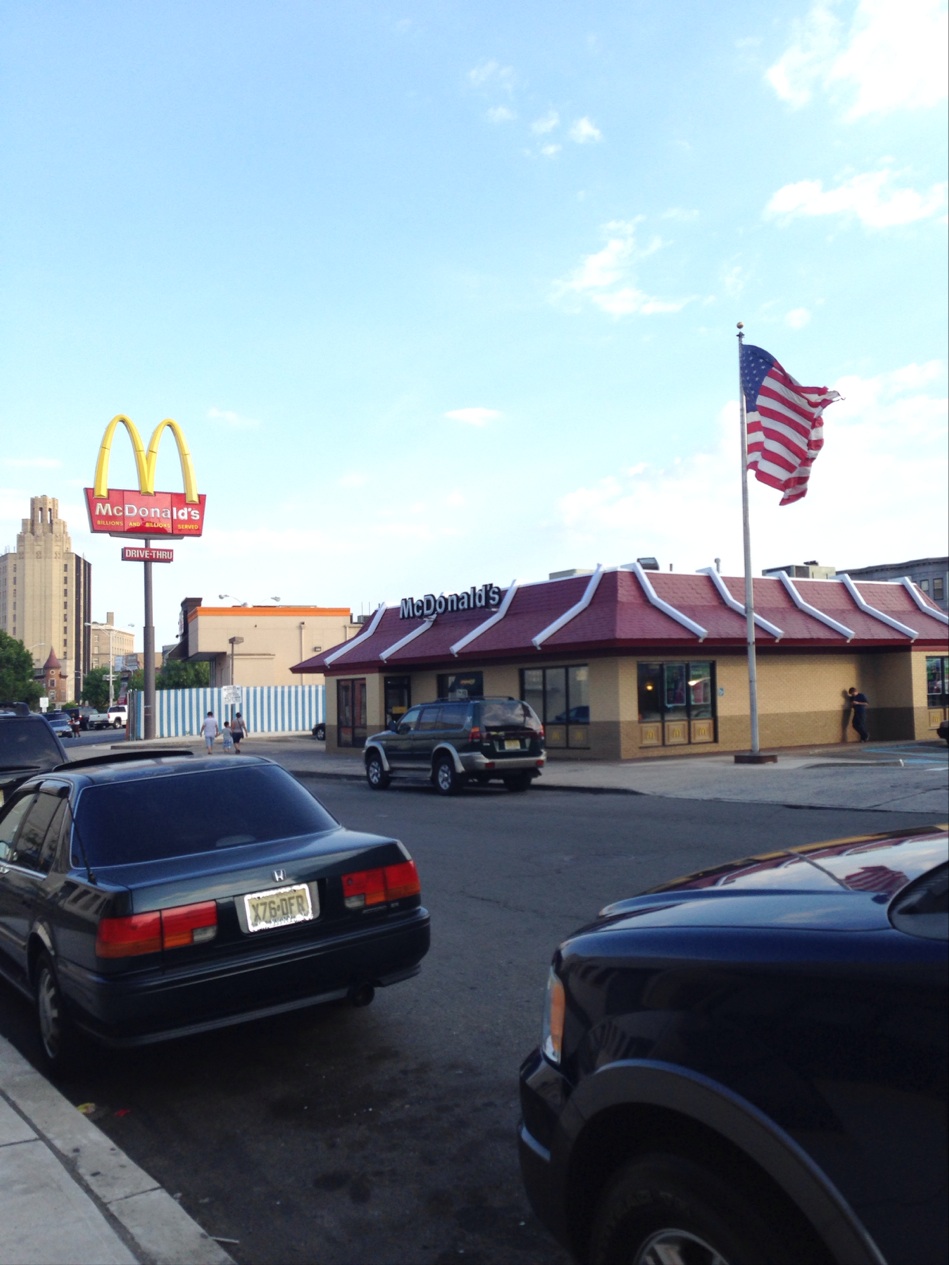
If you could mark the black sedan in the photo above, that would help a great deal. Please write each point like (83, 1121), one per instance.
(749, 1066)
(147, 897)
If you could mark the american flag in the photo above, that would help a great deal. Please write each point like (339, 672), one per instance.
(785, 423)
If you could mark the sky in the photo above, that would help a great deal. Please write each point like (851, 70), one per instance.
(445, 293)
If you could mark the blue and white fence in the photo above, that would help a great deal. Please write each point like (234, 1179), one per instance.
(266, 709)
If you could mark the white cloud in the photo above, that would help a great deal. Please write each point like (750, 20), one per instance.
(797, 318)
(895, 521)
(606, 278)
(546, 123)
(232, 420)
(584, 131)
(474, 416)
(501, 114)
(870, 196)
(354, 479)
(892, 57)
(550, 151)
(492, 74)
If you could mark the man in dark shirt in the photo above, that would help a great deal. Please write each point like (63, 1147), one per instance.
(858, 704)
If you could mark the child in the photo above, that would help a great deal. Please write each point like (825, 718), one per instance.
(228, 737)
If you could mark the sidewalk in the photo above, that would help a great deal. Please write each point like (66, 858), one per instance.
(69, 1197)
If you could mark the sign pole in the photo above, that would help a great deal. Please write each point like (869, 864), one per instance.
(149, 649)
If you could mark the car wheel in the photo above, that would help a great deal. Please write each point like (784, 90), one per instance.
(118, 724)
(664, 1208)
(518, 781)
(319, 732)
(56, 1032)
(447, 781)
(376, 774)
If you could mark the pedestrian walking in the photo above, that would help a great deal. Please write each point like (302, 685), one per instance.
(858, 713)
(238, 731)
(227, 738)
(210, 731)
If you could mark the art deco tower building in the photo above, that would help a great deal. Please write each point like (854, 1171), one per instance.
(45, 598)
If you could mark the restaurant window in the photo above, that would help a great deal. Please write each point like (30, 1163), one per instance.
(676, 702)
(937, 681)
(561, 698)
(461, 685)
(398, 697)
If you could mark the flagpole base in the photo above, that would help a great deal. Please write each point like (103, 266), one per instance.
(754, 757)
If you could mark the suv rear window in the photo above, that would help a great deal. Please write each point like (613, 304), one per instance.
(504, 713)
(28, 744)
(149, 819)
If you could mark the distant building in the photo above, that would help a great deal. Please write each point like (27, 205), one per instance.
(46, 597)
(804, 571)
(931, 574)
(258, 645)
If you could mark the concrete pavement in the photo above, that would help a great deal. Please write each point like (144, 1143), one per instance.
(69, 1197)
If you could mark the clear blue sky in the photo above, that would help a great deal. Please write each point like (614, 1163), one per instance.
(445, 293)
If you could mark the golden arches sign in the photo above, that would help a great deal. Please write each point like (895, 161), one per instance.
(145, 512)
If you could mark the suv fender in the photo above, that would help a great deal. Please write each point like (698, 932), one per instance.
(445, 748)
(701, 1100)
(380, 752)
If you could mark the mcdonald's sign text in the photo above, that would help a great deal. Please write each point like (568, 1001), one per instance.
(124, 513)
(132, 554)
(145, 512)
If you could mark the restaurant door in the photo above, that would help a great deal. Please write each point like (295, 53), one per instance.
(398, 696)
(351, 728)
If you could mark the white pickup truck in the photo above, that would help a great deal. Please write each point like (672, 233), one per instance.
(115, 718)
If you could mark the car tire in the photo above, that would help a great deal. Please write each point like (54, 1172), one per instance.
(118, 724)
(376, 774)
(518, 781)
(445, 778)
(668, 1202)
(319, 733)
(57, 1034)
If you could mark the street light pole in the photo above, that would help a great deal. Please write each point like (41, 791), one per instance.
(234, 641)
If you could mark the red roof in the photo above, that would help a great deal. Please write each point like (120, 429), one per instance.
(625, 609)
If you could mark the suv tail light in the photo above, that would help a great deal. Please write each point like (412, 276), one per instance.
(364, 888)
(174, 928)
(474, 734)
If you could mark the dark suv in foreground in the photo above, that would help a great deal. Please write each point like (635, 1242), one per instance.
(747, 1066)
(455, 740)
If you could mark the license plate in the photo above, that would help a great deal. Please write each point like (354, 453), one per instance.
(512, 744)
(279, 908)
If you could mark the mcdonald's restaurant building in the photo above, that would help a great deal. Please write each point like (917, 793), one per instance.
(625, 663)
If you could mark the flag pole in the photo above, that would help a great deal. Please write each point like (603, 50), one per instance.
(749, 587)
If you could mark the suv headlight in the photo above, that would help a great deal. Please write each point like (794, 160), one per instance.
(552, 1039)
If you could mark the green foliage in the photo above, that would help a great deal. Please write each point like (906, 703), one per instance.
(95, 688)
(136, 680)
(175, 675)
(16, 672)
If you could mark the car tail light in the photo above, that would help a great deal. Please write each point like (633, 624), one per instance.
(161, 929)
(365, 888)
(474, 734)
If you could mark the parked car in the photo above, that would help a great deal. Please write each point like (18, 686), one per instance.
(942, 730)
(99, 720)
(149, 897)
(575, 716)
(454, 740)
(118, 715)
(28, 745)
(82, 715)
(748, 1066)
(60, 723)
(319, 731)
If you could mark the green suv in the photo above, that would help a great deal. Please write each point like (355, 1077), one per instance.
(455, 740)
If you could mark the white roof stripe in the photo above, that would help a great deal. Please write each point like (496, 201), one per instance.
(488, 623)
(812, 610)
(404, 641)
(920, 601)
(370, 629)
(733, 603)
(574, 610)
(872, 610)
(657, 601)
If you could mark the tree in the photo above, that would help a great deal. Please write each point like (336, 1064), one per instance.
(175, 675)
(95, 688)
(16, 672)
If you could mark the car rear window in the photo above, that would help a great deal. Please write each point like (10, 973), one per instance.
(28, 744)
(503, 713)
(153, 818)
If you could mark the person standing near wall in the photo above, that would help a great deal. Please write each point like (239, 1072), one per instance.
(238, 731)
(210, 731)
(858, 716)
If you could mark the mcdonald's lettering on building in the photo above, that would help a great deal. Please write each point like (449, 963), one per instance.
(143, 511)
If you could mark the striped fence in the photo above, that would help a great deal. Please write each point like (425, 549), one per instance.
(266, 709)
